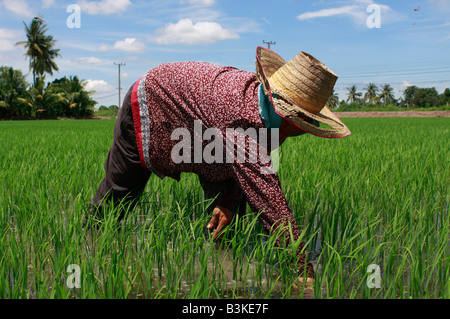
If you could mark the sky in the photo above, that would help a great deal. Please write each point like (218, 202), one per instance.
(401, 43)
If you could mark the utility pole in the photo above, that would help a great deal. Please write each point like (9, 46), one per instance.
(269, 43)
(119, 64)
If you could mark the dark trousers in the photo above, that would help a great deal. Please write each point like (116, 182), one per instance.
(125, 178)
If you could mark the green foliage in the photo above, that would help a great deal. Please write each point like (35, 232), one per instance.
(40, 49)
(13, 86)
(379, 196)
(413, 97)
(65, 97)
(77, 102)
(110, 111)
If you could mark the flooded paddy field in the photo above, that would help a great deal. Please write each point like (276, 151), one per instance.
(372, 209)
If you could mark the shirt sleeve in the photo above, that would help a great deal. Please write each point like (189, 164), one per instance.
(262, 189)
(228, 192)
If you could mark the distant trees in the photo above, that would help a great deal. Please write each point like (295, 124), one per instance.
(353, 95)
(65, 97)
(445, 97)
(371, 93)
(387, 95)
(333, 100)
(108, 111)
(12, 86)
(77, 100)
(413, 97)
(423, 97)
(38, 100)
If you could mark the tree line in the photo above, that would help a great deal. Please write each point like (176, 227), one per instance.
(413, 97)
(65, 97)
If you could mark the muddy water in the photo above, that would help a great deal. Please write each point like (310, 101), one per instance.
(234, 279)
(223, 268)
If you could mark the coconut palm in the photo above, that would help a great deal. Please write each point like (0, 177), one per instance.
(371, 92)
(387, 94)
(78, 101)
(353, 95)
(40, 49)
(41, 99)
(333, 100)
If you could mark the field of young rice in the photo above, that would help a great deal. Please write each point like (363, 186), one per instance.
(373, 209)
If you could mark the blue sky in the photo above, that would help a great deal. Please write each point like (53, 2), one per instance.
(410, 47)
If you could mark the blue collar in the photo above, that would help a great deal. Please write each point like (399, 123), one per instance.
(266, 110)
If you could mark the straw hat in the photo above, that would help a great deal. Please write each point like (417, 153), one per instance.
(300, 88)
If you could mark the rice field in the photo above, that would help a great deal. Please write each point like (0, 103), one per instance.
(373, 209)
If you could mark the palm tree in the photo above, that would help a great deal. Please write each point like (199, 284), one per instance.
(333, 100)
(353, 95)
(387, 95)
(78, 101)
(40, 49)
(41, 99)
(371, 93)
(12, 86)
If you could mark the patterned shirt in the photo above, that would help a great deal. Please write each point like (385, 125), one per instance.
(193, 95)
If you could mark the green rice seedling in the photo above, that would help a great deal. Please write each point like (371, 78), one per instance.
(378, 197)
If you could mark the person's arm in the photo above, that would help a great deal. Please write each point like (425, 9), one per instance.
(264, 195)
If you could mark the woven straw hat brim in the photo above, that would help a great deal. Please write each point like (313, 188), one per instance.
(268, 63)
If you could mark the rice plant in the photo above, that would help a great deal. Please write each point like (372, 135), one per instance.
(378, 197)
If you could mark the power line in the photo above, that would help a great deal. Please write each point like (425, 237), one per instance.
(269, 43)
(107, 96)
(395, 73)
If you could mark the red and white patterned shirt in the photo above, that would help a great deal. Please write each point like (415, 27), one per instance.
(179, 95)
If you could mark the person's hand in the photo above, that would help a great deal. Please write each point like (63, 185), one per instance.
(221, 218)
(306, 283)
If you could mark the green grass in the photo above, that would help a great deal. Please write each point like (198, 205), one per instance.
(379, 196)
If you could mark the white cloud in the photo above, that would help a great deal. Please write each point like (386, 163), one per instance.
(6, 45)
(103, 47)
(202, 2)
(99, 86)
(405, 84)
(47, 3)
(10, 34)
(18, 7)
(442, 3)
(8, 39)
(327, 12)
(87, 60)
(104, 7)
(356, 10)
(130, 45)
(186, 32)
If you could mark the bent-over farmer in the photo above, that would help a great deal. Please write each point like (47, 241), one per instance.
(174, 101)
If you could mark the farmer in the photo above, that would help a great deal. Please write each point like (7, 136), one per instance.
(160, 126)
